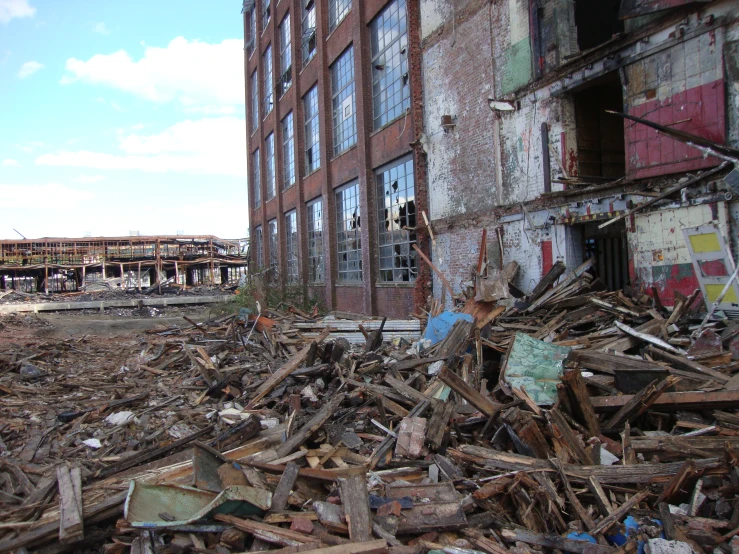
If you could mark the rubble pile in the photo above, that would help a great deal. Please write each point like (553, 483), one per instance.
(571, 420)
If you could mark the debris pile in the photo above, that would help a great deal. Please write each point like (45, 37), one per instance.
(572, 420)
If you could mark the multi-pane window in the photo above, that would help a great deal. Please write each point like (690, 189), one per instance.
(396, 217)
(312, 137)
(389, 47)
(286, 59)
(315, 241)
(342, 90)
(251, 25)
(256, 178)
(291, 246)
(269, 170)
(349, 246)
(308, 32)
(258, 247)
(288, 152)
(273, 254)
(266, 13)
(269, 94)
(337, 10)
(254, 101)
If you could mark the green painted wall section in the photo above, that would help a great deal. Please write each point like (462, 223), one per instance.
(517, 70)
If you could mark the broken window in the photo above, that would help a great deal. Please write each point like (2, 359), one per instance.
(254, 102)
(396, 216)
(600, 135)
(269, 145)
(258, 247)
(251, 26)
(308, 32)
(389, 46)
(273, 254)
(315, 240)
(312, 137)
(596, 22)
(291, 246)
(266, 13)
(342, 89)
(349, 245)
(286, 58)
(337, 10)
(268, 88)
(288, 152)
(256, 178)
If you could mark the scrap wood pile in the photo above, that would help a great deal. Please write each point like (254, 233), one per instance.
(573, 420)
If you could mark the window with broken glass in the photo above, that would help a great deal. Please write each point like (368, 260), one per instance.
(256, 178)
(389, 47)
(269, 147)
(349, 245)
(337, 10)
(396, 216)
(314, 217)
(291, 246)
(251, 25)
(254, 102)
(269, 92)
(288, 152)
(286, 58)
(312, 137)
(342, 89)
(308, 31)
(273, 254)
(266, 13)
(258, 247)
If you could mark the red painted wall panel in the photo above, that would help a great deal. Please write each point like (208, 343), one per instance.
(546, 256)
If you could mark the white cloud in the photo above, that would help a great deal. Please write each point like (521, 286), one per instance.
(101, 28)
(12, 9)
(49, 196)
(196, 74)
(10, 162)
(90, 178)
(29, 146)
(29, 68)
(211, 146)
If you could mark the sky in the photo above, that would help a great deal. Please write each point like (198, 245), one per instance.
(120, 117)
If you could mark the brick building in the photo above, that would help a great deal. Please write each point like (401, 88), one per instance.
(518, 139)
(336, 172)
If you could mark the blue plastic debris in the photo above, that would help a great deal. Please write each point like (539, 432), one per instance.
(582, 537)
(631, 526)
(438, 327)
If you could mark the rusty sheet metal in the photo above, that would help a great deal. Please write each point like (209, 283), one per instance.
(435, 508)
(163, 506)
(535, 366)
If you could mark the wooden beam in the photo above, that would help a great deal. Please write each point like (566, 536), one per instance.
(482, 403)
(356, 507)
(674, 401)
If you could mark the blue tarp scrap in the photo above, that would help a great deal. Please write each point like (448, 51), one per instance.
(438, 327)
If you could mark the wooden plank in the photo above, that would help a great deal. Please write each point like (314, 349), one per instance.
(70, 504)
(482, 403)
(355, 500)
(682, 362)
(378, 546)
(266, 532)
(406, 390)
(674, 401)
(438, 423)
(281, 374)
(616, 516)
(639, 403)
(282, 492)
(580, 401)
(302, 434)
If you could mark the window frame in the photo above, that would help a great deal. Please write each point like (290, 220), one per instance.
(256, 174)
(335, 17)
(255, 103)
(308, 34)
(348, 240)
(397, 243)
(342, 141)
(274, 246)
(312, 131)
(270, 169)
(291, 247)
(266, 13)
(285, 80)
(382, 47)
(251, 43)
(288, 151)
(259, 245)
(316, 267)
(269, 91)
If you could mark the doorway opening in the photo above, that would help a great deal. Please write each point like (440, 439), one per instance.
(611, 252)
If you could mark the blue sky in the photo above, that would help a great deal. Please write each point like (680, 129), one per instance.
(122, 116)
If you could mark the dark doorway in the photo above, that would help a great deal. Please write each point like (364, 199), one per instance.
(600, 135)
(610, 249)
(596, 21)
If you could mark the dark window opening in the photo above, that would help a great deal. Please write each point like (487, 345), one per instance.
(600, 135)
(609, 248)
(596, 22)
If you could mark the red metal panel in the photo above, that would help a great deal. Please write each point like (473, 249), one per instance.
(700, 110)
(546, 256)
(635, 8)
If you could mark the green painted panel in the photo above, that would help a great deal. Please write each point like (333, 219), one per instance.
(517, 66)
